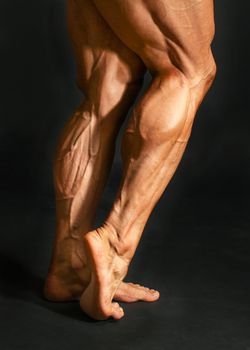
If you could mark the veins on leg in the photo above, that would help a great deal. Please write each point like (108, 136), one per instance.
(79, 141)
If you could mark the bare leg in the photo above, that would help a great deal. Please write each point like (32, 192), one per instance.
(110, 76)
(157, 133)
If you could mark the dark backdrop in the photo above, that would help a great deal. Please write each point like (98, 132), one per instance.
(195, 248)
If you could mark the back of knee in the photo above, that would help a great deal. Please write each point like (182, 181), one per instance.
(173, 78)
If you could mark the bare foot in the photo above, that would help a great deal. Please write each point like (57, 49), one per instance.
(108, 262)
(69, 276)
(130, 292)
(108, 266)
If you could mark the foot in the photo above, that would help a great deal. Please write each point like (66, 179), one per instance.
(108, 265)
(130, 292)
(70, 289)
(69, 277)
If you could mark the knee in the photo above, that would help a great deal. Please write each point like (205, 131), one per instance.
(201, 79)
(202, 75)
(210, 76)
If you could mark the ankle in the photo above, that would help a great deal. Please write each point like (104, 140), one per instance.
(121, 246)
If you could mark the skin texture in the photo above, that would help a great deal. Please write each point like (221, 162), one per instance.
(115, 42)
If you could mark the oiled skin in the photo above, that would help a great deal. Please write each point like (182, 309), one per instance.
(115, 41)
(110, 76)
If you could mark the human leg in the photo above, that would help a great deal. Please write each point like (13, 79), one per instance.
(110, 76)
(183, 69)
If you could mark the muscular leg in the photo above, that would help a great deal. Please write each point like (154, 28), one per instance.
(109, 75)
(175, 46)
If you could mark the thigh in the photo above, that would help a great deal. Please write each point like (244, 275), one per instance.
(100, 55)
(164, 32)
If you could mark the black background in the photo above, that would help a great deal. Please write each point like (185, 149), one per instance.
(196, 244)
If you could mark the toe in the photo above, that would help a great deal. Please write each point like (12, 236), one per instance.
(131, 292)
(153, 294)
(117, 311)
(143, 293)
(146, 294)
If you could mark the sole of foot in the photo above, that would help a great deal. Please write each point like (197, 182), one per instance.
(108, 269)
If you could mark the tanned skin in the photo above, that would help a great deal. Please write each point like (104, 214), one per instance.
(115, 42)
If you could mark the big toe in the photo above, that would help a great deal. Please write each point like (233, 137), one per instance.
(117, 311)
(101, 312)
